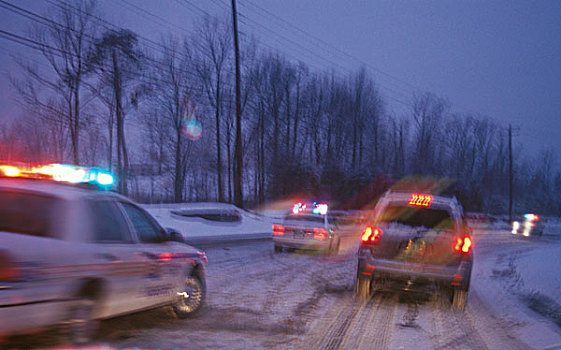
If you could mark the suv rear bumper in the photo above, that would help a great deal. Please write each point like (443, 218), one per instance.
(457, 275)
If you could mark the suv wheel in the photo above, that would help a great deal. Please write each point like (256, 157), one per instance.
(459, 299)
(362, 287)
(459, 296)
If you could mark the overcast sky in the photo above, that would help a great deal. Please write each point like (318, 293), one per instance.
(501, 59)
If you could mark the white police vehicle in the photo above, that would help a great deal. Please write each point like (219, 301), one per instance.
(530, 226)
(72, 256)
(307, 227)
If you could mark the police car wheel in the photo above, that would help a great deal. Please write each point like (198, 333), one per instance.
(188, 301)
(81, 326)
(278, 249)
(335, 248)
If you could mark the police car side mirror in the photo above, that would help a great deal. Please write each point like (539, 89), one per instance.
(174, 235)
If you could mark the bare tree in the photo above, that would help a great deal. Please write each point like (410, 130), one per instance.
(118, 60)
(65, 44)
(212, 40)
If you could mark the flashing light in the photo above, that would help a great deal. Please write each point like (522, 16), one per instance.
(10, 171)
(298, 207)
(320, 209)
(63, 173)
(531, 217)
(420, 200)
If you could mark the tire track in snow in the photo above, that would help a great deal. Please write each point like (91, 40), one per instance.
(453, 329)
(374, 324)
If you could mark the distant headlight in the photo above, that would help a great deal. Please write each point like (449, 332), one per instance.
(515, 227)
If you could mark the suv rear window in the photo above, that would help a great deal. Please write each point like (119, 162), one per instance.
(417, 217)
(27, 213)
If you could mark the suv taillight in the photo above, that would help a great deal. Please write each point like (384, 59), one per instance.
(278, 230)
(320, 233)
(372, 235)
(8, 269)
(462, 244)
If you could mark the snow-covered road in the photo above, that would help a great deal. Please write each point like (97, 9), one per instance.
(259, 299)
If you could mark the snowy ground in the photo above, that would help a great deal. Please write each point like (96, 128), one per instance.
(258, 299)
(521, 281)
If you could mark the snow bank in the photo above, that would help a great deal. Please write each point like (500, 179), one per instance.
(520, 279)
(540, 273)
(192, 221)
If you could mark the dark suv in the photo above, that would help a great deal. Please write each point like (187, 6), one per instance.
(413, 240)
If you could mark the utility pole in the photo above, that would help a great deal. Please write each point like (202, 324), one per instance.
(238, 153)
(510, 173)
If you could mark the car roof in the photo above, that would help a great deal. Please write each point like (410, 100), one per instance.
(437, 200)
(53, 188)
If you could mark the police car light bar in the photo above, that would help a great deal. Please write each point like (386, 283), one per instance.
(531, 217)
(298, 207)
(61, 172)
(320, 209)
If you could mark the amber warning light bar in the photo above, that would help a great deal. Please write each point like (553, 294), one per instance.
(420, 200)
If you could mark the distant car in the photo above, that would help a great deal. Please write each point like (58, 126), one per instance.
(530, 225)
(307, 228)
(412, 240)
(71, 256)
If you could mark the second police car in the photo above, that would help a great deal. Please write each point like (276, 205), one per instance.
(72, 256)
(307, 227)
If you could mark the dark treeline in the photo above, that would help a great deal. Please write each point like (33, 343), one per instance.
(161, 115)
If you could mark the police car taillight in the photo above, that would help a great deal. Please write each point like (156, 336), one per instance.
(8, 268)
(462, 244)
(372, 235)
(320, 233)
(278, 230)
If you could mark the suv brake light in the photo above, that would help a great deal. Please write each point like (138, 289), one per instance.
(8, 270)
(462, 244)
(372, 235)
(278, 230)
(320, 233)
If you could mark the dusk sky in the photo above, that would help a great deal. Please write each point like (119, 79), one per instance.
(499, 59)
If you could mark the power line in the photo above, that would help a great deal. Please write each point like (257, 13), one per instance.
(325, 43)
(109, 26)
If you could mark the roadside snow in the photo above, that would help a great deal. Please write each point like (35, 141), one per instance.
(519, 280)
(198, 229)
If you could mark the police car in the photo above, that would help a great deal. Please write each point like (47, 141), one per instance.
(307, 227)
(530, 226)
(412, 241)
(72, 254)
